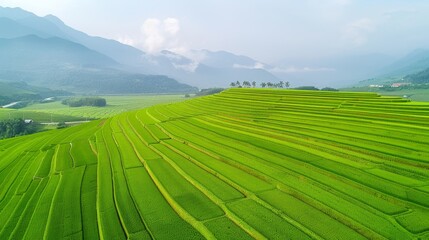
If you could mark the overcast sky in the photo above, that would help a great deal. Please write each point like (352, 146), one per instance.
(268, 30)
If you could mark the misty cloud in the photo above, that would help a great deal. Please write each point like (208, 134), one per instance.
(257, 65)
(160, 34)
(171, 26)
(126, 40)
(191, 67)
(357, 31)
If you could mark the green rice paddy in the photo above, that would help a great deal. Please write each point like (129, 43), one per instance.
(242, 164)
(115, 105)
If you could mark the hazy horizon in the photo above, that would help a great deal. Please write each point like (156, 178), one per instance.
(270, 31)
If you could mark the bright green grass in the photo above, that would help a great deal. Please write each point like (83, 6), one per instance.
(115, 105)
(65, 216)
(242, 164)
(38, 116)
(414, 94)
(265, 221)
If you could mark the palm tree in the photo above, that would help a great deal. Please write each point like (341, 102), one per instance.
(263, 85)
(232, 84)
(281, 83)
(238, 84)
(253, 84)
(270, 84)
(287, 85)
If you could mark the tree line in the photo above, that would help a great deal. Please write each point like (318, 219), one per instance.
(86, 101)
(247, 84)
(281, 84)
(15, 127)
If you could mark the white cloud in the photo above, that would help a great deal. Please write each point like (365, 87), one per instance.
(126, 40)
(194, 55)
(257, 65)
(291, 69)
(160, 34)
(153, 36)
(191, 67)
(357, 31)
(171, 26)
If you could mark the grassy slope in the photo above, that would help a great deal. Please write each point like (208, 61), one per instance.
(244, 163)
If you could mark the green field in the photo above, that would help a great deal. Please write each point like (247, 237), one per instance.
(37, 116)
(115, 105)
(413, 94)
(421, 95)
(242, 164)
(57, 112)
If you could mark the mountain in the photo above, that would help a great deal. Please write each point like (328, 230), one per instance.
(421, 77)
(415, 61)
(51, 26)
(237, 66)
(15, 13)
(334, 71)
(66, 65)
(33, 52)
(204, 68)
(12, 29)
(216, 69)
(209, 69)
(20, 88)
(16, 22)
(223, 59)
(45, 52)
(122, 53)
(412, 66)
(21, 91)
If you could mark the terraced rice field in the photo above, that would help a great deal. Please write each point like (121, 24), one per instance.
(242, 164)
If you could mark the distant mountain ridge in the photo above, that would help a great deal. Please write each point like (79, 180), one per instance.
(213, 71)
(45, 52)
(421, 77)
(413, 62)
(411, 67)
(36, 52)
(66, 65)
(201, 68)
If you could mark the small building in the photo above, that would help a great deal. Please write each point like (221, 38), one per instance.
(28, 121)
(376, 86)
